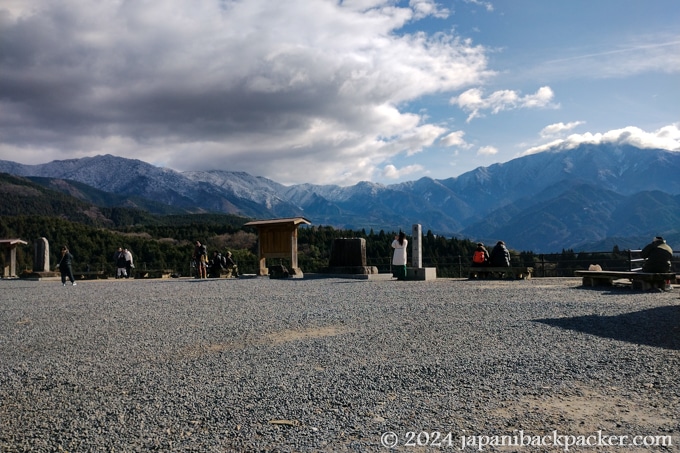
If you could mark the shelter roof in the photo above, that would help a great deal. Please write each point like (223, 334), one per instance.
(285, 221)
(12, 242)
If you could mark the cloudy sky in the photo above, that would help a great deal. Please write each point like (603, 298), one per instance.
(334, 91)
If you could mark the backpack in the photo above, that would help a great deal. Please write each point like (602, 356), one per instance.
(478, 257)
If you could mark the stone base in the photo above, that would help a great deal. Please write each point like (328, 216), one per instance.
(421, 273)
(353, 270)
(279, 271)
(35, 275)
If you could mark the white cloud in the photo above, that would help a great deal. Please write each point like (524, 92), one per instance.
(392, 172)
(454, 139)
(487, 151)
(559, 128)
(473, 101)
(298, 91)
(667, 138)
(425, 8)
(487, 5)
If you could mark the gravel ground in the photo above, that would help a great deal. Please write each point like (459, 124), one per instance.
(333, 364)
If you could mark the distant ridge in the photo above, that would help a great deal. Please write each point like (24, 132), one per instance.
(545, 202)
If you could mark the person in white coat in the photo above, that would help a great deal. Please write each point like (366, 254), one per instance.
(399, 257)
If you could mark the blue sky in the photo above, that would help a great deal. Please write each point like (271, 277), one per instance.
(335, 92)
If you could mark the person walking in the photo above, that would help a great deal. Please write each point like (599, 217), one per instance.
(66, 266)
(399, 245)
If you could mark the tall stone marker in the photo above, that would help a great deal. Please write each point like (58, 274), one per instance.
(41, 258)
(417, 271)
(417, 246)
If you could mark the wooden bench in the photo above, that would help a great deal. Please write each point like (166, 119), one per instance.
(516, 272)
(639, 280)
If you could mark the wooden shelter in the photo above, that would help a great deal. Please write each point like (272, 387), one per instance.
(9, 247)
(277, 238)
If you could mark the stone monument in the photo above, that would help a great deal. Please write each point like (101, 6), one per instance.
(348, 256)
(41, 257)
(417, 271)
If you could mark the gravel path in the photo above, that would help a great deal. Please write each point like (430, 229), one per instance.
(332, 364)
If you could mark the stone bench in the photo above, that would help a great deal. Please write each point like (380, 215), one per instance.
(513, 272)
(639, 280)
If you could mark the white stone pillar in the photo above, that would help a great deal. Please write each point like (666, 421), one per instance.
(417, 246)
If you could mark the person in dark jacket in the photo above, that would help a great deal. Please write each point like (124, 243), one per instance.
(500, 256)
(657, 256)
(215, 265)
(121, 265)
(65, 266)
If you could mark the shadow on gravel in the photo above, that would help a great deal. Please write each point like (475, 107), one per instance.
(658, 327)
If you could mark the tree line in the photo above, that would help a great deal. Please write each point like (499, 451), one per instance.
(168, 243)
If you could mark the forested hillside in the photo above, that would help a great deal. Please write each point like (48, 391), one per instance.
(29, 211)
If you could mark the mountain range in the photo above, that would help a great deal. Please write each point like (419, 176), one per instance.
(588, 198)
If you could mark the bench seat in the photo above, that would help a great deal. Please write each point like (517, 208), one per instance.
(516, 272)
(639, 280)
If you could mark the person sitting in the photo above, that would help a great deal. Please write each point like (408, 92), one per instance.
(215, 265)
(229, 264)
(480, 258)
(500, 256)
(657, 255)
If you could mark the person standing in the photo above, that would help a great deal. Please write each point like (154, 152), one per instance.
(121, 265)
(129, 265)
(657, 256)
(66, 266)
(399, 245)
(201, 258)
(117, 255)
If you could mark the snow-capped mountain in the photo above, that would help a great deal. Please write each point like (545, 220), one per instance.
(548, 201)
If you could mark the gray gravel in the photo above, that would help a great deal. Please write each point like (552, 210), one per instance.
(330, 364)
